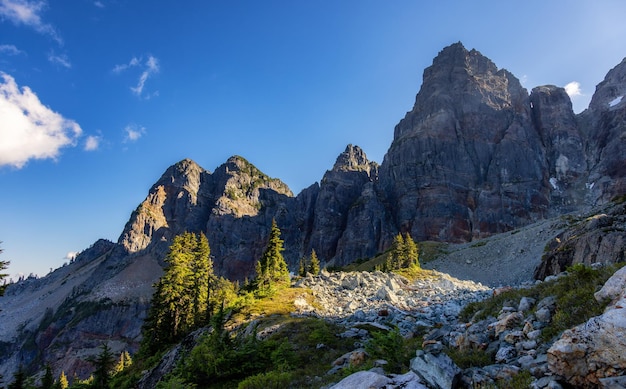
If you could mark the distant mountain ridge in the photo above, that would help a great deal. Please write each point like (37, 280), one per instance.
(476, 156)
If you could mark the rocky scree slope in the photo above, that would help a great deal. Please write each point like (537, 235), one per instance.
(477, 155)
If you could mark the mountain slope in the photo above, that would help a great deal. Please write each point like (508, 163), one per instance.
(476, 156)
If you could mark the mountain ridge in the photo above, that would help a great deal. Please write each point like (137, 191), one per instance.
(476, 156)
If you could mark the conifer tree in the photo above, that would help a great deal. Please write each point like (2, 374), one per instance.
(302, 268)
(411, 252)
(272, 268)
(104, 364)
(314, 264)
(397, 253)
(47, 382)
(62, 382)
(124, 362)
(19, 379)
(3, 266)
(182, 299)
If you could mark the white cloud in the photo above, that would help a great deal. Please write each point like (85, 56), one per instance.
(131, 64)
(92, 142)
(98, 4)
(133, 133)
(60, 60)
(29, 129)
(71, 255)
(573, 89)
(28, 13)
(10, 50)
(149, 68)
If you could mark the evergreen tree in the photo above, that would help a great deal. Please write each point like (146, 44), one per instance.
(203, 281)
(302, 268)
(104, 364)
(19, 379)
(3, 266)
(47, 382)
(411, 252)
(397, 253)
(182, 300)
(272, 268)
(124, 362)
(314, 264)
(62, 382)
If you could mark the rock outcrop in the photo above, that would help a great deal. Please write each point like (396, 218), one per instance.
(599, 237)
(594, 352)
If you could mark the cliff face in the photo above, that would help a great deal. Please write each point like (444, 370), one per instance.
(466, 162)
(605, 125)
(476, 155)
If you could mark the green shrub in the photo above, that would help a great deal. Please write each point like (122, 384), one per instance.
(466, 358)
(521, 380)
(269, 380)
(392, 347)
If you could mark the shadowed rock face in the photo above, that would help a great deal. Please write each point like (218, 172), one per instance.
(605, 125)
(466, 162)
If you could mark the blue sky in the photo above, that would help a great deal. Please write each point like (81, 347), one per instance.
(98, 98)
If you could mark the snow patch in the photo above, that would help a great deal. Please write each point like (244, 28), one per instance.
(615, 101)
(553, 182)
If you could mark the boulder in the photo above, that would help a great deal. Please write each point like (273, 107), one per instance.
(596, 349)
(438, 371)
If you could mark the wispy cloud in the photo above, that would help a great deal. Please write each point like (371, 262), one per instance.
(133, 132)
(28, 13)
(117, 69)
(573, 89)
(10, 50)
(60, 59)
(98, 4)
(92, 142)
(29, 129)
(148, 68)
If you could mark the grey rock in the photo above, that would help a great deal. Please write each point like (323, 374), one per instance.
(543, 315)
(363, 380)
(438, 371)
(506, 354)
(593, 350)
(525, 304)
(613, 382)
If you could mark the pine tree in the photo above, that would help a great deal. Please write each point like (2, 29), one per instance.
(411, 252)
(183, 299)
(19, 379)
(3, 266)
(302, 268)
(314, 264)
(271, 269)
(124, 362)
(103, 363)
(47, 382)
(203, 281)
(62, 381)
(397, 253)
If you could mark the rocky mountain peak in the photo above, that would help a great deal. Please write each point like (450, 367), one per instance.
(238, 186)
(610, 94)
(353, 159)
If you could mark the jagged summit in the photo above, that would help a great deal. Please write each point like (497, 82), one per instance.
(353, 158)
(476, 156)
